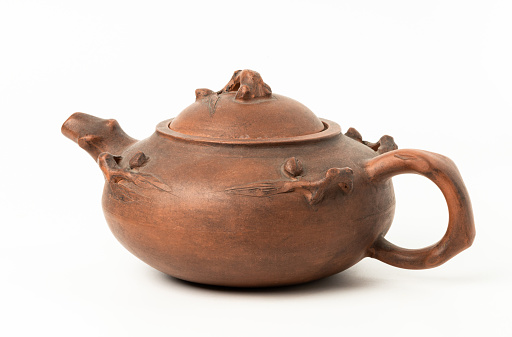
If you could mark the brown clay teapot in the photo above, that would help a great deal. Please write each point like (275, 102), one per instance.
(248, 188)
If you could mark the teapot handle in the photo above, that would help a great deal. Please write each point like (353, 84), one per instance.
(443, 172)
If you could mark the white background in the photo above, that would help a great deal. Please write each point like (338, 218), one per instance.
(436, 75)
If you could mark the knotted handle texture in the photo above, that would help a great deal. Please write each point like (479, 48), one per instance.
(443, 172)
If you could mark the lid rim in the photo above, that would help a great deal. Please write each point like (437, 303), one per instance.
(330, 130)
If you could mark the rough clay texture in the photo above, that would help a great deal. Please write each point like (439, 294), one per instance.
(261, 213)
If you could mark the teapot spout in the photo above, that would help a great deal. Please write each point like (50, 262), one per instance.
(96, 135)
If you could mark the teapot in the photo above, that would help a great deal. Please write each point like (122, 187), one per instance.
(247, 188)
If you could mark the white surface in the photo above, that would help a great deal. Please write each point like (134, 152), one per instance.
(436, 75)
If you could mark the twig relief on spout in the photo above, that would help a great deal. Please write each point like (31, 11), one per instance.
(96, 135)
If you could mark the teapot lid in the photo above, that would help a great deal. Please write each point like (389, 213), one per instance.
(245, 109)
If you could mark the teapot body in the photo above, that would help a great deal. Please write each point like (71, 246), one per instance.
(248, 188)
(218, 214)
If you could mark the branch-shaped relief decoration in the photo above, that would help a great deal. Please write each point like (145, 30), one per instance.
(247, 84)
(124, 182)
(385, 144)
(336, 180)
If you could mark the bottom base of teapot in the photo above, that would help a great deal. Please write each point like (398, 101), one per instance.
(249, 285)
(252, 283)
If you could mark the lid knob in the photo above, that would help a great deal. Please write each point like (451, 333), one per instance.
(247, 84)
